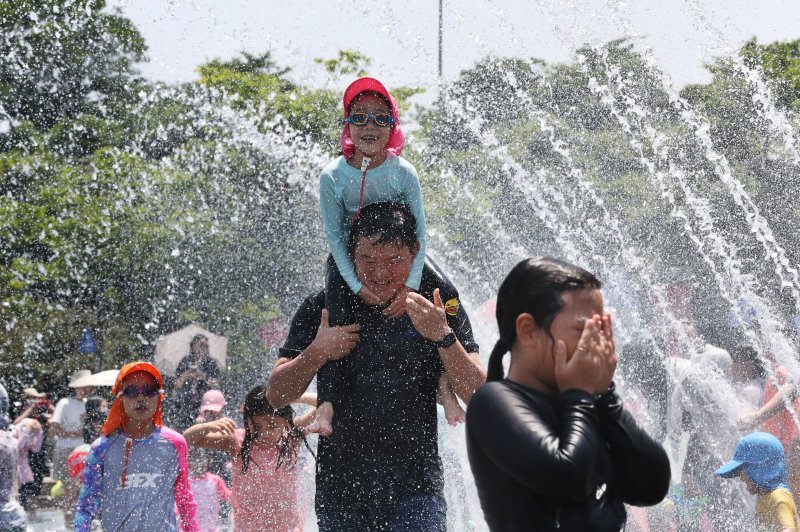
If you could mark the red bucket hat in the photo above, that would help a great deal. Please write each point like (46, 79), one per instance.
(116, 415)
(396, 137)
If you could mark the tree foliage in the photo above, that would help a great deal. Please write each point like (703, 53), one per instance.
(62, 58)
(131, 207)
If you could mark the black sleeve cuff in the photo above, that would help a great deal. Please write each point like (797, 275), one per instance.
(577, 397)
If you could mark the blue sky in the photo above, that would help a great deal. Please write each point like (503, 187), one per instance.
(401, 36)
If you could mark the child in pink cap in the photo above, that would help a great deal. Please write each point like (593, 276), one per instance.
(211, 409)
(370, 170)
(211, 406)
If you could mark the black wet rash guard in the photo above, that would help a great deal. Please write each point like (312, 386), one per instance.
(564, 463)
(384, 443)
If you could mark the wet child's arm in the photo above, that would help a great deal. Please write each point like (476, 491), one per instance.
(412, 195)
(218, 434)
(182, 490)
(334, 218)
(88, 503)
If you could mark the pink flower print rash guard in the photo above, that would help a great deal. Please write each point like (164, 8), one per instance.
(157, 482)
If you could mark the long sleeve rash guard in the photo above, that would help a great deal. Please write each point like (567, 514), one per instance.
(157, 481)
(395, 180)
(560, 463)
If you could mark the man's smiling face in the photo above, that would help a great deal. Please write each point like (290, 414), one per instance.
(382, 268)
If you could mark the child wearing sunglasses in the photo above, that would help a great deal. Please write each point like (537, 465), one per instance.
(136, 473)
(264, 455)
(370, 170)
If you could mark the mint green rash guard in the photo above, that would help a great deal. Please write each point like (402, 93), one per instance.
(395, 180)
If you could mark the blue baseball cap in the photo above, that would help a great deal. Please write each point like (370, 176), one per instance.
(761, 456)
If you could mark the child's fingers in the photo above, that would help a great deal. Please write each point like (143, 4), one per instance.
(588, 336)
(324, 320)
(561, 356)
(609, 329)
(226, 425)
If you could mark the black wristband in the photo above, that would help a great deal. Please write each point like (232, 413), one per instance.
(445, 341)
(610, 391)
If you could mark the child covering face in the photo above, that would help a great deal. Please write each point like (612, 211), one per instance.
(137, 472)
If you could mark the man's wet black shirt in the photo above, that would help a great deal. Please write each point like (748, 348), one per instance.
(384, 441)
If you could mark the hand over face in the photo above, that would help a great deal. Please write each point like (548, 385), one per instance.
(591, 366)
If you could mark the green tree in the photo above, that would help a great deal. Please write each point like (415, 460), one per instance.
(780, 63)
(61, 58)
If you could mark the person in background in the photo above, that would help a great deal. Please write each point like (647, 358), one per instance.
(704, 396)
(551, 445)
(12, 515)
(137, 473)
(211, 409)
(760, 463)
(93, 419)
(778, 413)
(67, 426)
(196, 374)
(29, 440)
(41, 410)
(209, 490)
(211, 406)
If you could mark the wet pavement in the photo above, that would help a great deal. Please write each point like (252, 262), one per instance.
(46, 520)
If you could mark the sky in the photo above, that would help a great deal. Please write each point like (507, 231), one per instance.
(401, 37)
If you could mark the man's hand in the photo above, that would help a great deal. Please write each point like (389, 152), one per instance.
(429, 318)
(398, 305)
(368, 296)
(335, 343)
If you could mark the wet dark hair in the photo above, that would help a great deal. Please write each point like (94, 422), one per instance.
(256, 404)
(744, 353)
(394, 223)
(197, 338)
(534, 286)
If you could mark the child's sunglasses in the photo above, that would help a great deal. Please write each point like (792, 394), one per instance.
(132, 391)
(361, 119)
